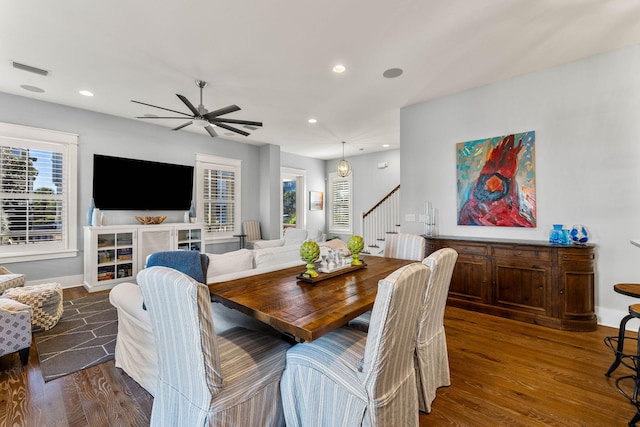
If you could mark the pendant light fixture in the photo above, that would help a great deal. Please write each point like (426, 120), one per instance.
(344, 167)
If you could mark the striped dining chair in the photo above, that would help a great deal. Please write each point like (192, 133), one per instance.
(405, 246)
(230, 379)
(349, 378)
(432, 358)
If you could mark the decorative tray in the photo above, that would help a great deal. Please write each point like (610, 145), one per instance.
(323, 276)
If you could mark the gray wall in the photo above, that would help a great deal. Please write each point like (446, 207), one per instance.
(586, 116)
(105, 134)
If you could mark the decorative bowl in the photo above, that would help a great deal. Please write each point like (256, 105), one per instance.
(151, 219)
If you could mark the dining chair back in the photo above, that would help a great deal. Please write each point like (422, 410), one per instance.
(192, 390)
(432, 359)
(350, 378)
(405, 246)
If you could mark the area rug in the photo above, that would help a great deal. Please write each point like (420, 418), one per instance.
(84, 336)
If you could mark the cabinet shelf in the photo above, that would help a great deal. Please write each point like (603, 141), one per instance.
(115, 254)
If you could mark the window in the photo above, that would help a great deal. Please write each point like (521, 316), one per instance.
(340, 218)
(293, 197)
(38, 193)
(218, 193)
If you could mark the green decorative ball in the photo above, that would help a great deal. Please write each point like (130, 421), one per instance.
(309, 252)
(355, 244)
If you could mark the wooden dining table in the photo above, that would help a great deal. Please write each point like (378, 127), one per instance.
(301, 310)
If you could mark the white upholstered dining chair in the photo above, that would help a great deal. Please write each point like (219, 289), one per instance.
(232, 379)
(432, 358)
(404, 246)
(349, 378)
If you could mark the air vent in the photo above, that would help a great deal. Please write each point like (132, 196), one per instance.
(30, 69)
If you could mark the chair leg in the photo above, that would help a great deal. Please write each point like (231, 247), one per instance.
(620, 346)
(24, 356)
(635, 419)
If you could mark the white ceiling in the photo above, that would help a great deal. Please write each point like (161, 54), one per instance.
(273, 58)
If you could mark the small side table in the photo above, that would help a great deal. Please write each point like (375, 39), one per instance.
(241, 236)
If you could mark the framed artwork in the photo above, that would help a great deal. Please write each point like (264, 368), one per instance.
(316, 200)
(496, 181)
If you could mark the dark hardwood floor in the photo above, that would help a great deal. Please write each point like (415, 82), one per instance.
(503, 373)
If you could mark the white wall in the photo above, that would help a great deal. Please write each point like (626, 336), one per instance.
(586, 116)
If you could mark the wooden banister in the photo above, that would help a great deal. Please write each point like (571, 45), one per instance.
(381, 201)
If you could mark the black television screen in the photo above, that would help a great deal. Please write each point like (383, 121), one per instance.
(130, 184)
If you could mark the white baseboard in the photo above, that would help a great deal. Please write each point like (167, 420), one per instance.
(71, 282)
(65, 281)
(612, 317)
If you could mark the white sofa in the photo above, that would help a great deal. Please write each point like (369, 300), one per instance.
(135, 349)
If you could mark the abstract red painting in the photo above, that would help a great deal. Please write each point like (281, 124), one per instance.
(496, 181)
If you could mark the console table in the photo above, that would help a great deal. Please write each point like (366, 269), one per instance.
(530, 281)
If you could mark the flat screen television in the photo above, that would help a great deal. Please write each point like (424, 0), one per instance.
(131, 184)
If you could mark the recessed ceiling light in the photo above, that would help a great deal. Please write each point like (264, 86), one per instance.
(32, 88)
(392, 73)
(86, 93)
(339, 68)
(385, 145)
(312, 121)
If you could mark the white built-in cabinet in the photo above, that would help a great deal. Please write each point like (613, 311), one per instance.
(115, 253)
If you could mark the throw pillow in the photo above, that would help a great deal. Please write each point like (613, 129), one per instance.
(230, 262)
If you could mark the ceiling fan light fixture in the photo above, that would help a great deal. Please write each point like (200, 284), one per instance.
(200, 122)
(344, 167)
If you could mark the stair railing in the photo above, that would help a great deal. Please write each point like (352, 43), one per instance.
(381, 219)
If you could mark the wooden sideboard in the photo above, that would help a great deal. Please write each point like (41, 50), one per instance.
(530, 281)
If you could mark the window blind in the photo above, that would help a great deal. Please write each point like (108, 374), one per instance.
(340, 205)
(219, 200)
(32, 196)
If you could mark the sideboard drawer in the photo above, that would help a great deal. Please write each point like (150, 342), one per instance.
(541, 254)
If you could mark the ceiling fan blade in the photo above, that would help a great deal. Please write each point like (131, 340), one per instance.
(182, 126)
(211, 131)
(162, 108)
(189, 105)
(237, 122)
(158, 117)
(232, 129)
(221, 111)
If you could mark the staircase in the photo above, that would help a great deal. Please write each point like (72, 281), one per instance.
(380, 220)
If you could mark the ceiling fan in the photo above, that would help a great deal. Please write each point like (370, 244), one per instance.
(204, 118)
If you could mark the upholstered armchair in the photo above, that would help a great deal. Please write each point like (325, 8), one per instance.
(252, 232)
(230, 379)
(15, 328)
(349, 378)
(405, 246)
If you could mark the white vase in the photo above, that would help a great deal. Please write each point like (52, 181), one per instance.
(95, 218)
